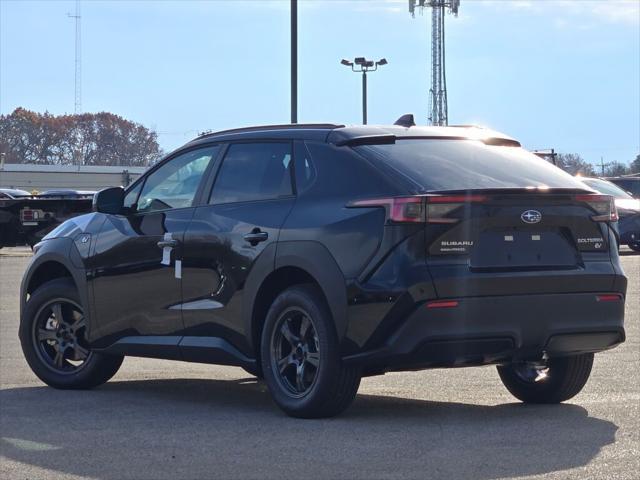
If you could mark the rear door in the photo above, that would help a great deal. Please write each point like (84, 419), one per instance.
(136, 265)
(238, 229)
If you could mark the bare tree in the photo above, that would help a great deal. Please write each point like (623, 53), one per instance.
(574, 164)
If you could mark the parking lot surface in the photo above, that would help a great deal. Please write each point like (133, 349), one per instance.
(163, 419)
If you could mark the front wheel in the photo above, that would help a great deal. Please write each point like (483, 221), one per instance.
(561, 379)
(301, 359)
(635, 247)
(53, 338)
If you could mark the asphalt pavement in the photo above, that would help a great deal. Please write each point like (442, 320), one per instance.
(173, 420)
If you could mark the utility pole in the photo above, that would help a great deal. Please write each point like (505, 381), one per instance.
(294, 61)
(603, 165)
(78, 60)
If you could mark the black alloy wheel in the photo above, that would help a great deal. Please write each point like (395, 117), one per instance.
(558, 380)
(59, 336)
(54, 339)
(295, 350)
(300, 356)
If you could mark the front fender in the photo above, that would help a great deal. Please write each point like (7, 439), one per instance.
(64, 252)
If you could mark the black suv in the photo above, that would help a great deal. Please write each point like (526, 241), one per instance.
(313, 255)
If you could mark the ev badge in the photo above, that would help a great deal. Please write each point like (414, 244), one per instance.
(531, 216)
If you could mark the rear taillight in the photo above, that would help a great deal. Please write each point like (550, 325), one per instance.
(439, 207)
(27, 214)
(421, 208)
(603, 205)
(399, 209)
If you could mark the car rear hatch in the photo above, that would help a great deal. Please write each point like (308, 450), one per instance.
(499, 220)
(518, 241)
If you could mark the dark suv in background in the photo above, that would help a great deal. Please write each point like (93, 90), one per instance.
(315, 254)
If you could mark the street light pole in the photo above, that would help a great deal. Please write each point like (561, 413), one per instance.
(294, 61)
(364, 66)
(364, 97)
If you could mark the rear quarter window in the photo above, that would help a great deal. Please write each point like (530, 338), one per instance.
(440, 165)
(339, 173)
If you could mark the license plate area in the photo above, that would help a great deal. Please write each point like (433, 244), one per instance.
(523, 249)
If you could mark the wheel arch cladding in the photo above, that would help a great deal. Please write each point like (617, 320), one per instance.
(315, 259)
(50, 263)
(274, 284)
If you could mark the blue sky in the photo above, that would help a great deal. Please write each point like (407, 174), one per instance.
(562, 74)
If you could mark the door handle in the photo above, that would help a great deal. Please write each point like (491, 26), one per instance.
(167, 243)
(256, 236)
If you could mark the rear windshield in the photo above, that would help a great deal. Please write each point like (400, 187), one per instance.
(433, 165)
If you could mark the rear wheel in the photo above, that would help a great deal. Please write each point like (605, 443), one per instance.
(300, 356)
(559, 380)
(53, 338)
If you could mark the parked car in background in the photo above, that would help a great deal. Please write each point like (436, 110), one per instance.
(66, 194)
(630, 183)
(628, 211)
(11, 193)
(314, 255)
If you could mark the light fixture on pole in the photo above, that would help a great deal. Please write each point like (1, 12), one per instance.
(362, 65)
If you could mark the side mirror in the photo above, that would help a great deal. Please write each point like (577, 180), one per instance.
(109, 200)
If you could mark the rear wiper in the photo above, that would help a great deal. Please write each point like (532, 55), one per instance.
(382, 139)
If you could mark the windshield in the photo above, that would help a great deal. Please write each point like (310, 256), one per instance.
(433, 165)
(605, 187)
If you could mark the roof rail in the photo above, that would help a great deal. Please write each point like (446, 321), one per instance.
(296, 126)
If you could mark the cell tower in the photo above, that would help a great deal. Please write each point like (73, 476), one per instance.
(78, 63)
(438, 110)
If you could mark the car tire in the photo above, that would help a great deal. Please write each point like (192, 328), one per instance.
(635, 247)
(301, 357)
(51, 345)
(562, 380)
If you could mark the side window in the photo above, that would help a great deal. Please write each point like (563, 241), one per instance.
(253, 171)
(174, 184)
(131, 198)
(305, 170)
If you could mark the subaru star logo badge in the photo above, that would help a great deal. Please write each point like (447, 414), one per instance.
(531, 216)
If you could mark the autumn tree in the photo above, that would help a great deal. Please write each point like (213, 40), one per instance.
(86, 139)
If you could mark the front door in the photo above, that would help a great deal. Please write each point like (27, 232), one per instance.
(138, 255)
(237, 230)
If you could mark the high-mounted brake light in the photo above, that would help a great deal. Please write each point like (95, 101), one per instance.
(421, 208)
(604, 205)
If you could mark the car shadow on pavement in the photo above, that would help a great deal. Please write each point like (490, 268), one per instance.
(197, 428)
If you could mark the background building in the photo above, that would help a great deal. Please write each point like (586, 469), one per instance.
(44, 177)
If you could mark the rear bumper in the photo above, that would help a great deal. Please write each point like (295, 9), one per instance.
(486, 330)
